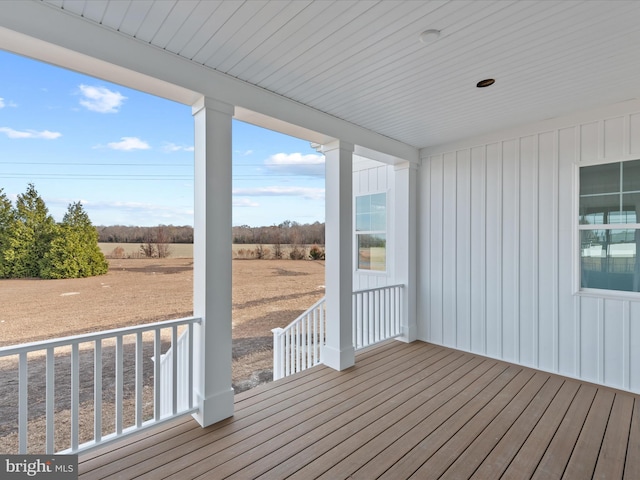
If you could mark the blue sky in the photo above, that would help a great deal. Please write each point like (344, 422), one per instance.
(128, 156)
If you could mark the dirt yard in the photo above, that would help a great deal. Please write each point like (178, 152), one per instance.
(266, 294)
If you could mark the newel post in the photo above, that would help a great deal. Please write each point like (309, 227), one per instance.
(212, 260)
(278, 353)
(338, 352)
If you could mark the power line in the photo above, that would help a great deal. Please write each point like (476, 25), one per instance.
(81, 176)
(54, 176)
(101, 164)
(75, 164)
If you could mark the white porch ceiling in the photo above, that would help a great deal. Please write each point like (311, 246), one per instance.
(361, 61)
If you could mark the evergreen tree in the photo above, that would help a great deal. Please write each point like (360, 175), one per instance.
(30, 235)
(7, 219)
(74, 250)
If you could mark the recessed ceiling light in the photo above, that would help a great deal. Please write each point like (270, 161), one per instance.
(429, 36)
(487, 82)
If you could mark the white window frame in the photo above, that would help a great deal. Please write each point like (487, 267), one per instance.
(384, 232)
(598, 292)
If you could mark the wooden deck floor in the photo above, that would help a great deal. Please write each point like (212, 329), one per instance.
(404, 411)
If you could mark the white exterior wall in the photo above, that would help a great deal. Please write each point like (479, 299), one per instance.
(370, 176)
(498, 249)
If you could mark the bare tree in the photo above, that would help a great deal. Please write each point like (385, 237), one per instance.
(148, 249)
(276, 237)
(162, 242)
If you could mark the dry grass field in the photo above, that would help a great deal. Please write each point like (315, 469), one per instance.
(132, 250)
(185, 250)
(266, 294)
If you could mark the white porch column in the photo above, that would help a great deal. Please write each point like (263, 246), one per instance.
(404, 229)
(338, 352)
(212, 260)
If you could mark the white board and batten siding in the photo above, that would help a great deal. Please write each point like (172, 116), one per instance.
(498, 249)
(370, 177)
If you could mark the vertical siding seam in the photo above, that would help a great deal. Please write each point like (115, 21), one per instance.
(575, 258)
(626, 345)
(484, 248)
(517, 266)
(500, 249)
(536, 253)
(577, 321)
(469, 252)
(626, 135)
(575, 251)
(427, 309)
(455, 257)
(442, 284)
(601, 141)
(601, 359)
(579, 143)
(556, 246)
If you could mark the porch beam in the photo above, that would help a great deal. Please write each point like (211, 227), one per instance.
(339, 352)
(212, 260)
(405, 219)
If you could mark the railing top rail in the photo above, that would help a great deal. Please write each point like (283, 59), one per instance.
(398, 285)
(91, 337)
(310, 309)
(281, 331)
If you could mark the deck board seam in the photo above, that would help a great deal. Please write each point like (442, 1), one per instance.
(332, 407)
(404, 408)
(425, 355)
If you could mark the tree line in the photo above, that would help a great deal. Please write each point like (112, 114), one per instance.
(286, 233)
(33, 245)
(158, 234)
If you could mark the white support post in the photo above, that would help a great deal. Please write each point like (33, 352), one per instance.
(278, 353)
(339, 352)
(404, 231)
(212, 261)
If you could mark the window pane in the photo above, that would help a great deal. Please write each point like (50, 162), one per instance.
(363, 222)
(372, 252)
(600, 179)
(597, 210)
(630, 208)
(378, 222)
(363, 204)
(378, 202)
(631, 176)
(371, 213)
(608, 259)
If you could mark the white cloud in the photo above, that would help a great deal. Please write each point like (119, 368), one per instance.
(275, 191)
(172, 147)
(101, 99)
(2, 104)
(129, 143)
(44, 134)
(245, 153)
(136, 213)
(296, 164)
(245, 202)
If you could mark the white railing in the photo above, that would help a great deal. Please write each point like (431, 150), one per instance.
(90, 389)
(177, 399)
(298, 346)
(376, 317)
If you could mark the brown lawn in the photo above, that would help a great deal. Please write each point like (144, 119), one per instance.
(266, 294)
